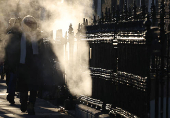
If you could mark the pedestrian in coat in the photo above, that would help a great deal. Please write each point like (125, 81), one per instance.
(12, 59)
(29, 65)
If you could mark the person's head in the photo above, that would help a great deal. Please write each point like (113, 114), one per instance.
(29, 22)
(11, 22)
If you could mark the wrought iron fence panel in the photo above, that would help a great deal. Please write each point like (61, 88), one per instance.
(130, 60)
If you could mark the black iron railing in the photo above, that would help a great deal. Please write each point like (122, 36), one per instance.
(129, 60)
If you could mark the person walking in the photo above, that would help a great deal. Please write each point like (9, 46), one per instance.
(8, 42)
(11, 59)
(29, 65)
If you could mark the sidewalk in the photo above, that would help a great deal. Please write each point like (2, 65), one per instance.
(43, 109)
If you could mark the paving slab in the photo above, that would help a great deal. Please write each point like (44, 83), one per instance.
(43, 108)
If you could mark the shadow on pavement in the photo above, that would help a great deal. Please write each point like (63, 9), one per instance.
(43, 109)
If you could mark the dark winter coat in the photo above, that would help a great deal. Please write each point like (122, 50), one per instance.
(12, 51)
(29, 74)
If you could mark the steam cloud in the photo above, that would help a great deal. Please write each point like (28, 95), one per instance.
(58, 14)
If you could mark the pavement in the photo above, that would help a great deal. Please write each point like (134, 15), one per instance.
(43, 108)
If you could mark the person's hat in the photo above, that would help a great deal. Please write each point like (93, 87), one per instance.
(30, 21)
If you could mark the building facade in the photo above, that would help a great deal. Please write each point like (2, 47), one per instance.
(100, 5)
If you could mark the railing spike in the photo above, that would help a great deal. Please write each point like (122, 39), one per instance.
(113, 13)
(106, 15)
(134, 10)
(94, 21)
(109, 18)
(86, 22)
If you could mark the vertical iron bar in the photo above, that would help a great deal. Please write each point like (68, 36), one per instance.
(156, 90)
(162, 38)
(117, 14)
(125, 10)
(167, 97)
(109, 16)
(148, 43)
(169, 10)
(102, 18)
(134, 10)
(106, 15)
(143, 8)
(113, 13)
(153, 12)
(94, 20)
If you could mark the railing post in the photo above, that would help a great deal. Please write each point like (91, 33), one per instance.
(167, 93)
(162, 39)
(143, 7)
(153, 12)
(148, 37)
(66, 57)
(169, 10)
(117, 14)
(102, 18)
(94, 21)
(78, 37)
(130, 12)
(167, 96)
(71, 42)
(156, 90)
(125, 11)
(106, 15)
(86, 22)
(134, 10)
(109, 18)
(113, 13)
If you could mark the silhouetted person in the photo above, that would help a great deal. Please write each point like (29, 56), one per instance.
(8, 31)
(12, 59)
(28, 69)
(7, 41)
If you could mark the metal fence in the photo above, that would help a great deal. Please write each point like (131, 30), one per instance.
(129, 62)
